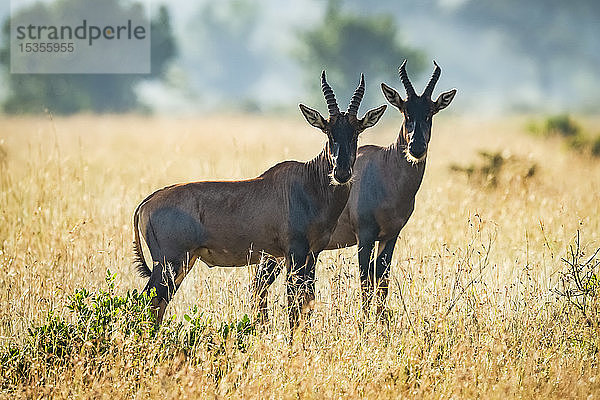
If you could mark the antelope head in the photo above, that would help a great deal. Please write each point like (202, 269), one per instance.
(418, 111)
(342, 128)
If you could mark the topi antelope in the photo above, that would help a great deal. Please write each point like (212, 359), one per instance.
(287, 212)
(385, 183)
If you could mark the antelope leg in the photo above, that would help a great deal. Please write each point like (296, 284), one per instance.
(163, 281)
(366, 266)
(300, 284)
(382, 272)
(266, 274)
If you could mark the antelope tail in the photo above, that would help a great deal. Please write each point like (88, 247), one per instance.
(138, 256)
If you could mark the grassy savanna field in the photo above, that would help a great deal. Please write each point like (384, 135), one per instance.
(474, 313)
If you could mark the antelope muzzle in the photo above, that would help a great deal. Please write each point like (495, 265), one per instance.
(417, 149)
(342, 175)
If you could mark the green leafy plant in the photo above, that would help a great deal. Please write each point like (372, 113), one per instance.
(221, 342)
(104, 312)
(96, 320)
(200, 331)
(102, 322)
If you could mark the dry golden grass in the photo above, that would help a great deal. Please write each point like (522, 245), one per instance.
(473, 312)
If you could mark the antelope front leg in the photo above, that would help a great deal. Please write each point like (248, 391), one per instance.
(366, 266)
(266, 274)
(300, 285)
(309, 299)
(382, 273)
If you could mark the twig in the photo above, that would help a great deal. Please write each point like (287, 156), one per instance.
(455, 300)
(404, 306)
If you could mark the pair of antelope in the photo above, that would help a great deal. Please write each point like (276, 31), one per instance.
(295, 209)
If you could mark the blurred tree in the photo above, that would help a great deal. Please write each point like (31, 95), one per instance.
(163, 43)
(71, 93)
(224, 50)
(346, 44)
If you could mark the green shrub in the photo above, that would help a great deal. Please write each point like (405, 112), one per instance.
(496, 168)
(596, 146)
(585, 144)
(578, 142)
(221, 343)
(103, 313)
(200, 331)
(561, 124)
(564, 126)
(101, 323)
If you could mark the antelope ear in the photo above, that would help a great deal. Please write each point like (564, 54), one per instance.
(444, 100)
(372, 116)
(313, 117)
(392, 96)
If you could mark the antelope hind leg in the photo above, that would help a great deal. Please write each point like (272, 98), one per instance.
(266, 274)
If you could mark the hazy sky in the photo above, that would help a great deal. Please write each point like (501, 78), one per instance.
(484, 64)
(492, 72)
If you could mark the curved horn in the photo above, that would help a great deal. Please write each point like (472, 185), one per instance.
(434, 78)
(329, 96)
(410, 90)
(357, 97)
